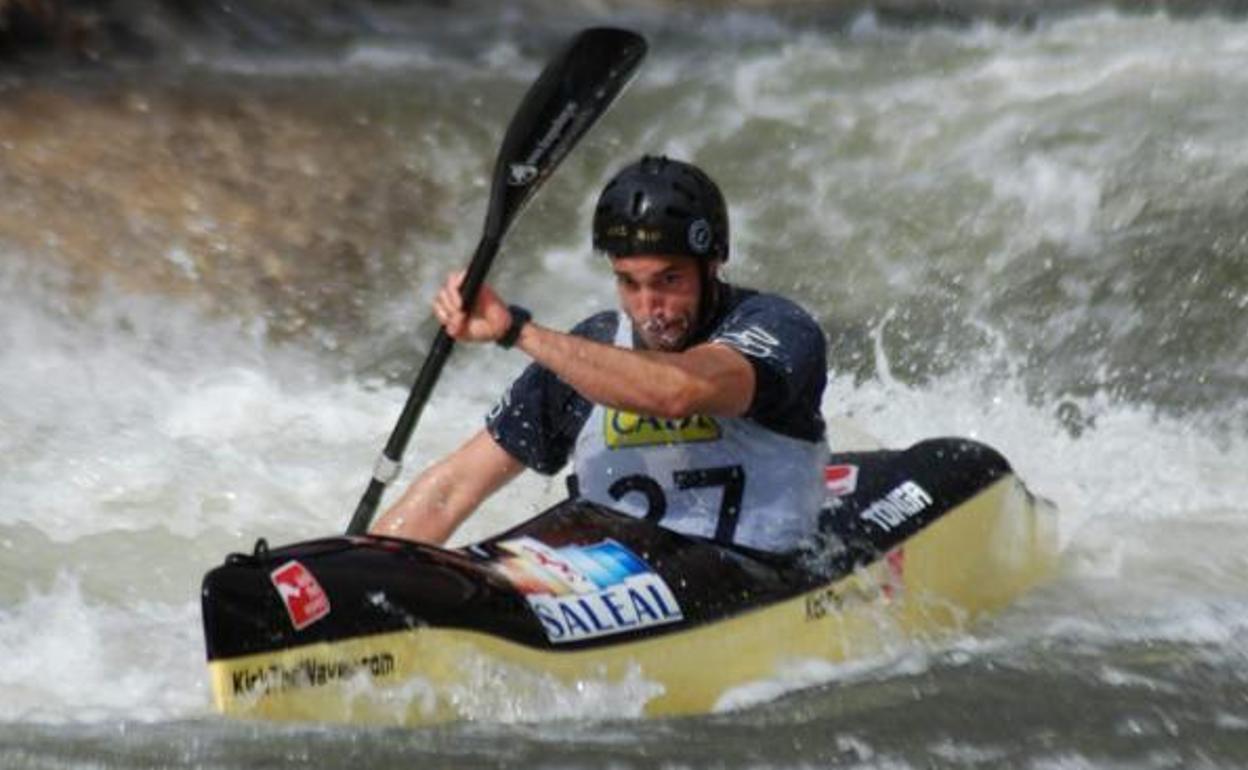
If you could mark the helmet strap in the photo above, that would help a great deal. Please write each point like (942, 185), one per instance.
(710, 297)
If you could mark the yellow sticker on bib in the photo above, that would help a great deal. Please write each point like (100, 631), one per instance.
(625, 429)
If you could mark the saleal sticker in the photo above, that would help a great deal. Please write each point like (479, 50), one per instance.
(585, 591)
(840, 480)
(305, 600)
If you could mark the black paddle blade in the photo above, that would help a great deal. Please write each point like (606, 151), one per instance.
(574, 90)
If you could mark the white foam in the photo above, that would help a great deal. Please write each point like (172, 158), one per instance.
(1130, 464)
(963, 754)
(495, 693)
(70, 658)
(896, 658)
(387, 57)
(142, 432)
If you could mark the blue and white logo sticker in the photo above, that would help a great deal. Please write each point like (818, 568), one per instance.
(699, 236)
(584, 592)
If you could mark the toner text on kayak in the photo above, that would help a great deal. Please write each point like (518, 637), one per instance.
(895, 508)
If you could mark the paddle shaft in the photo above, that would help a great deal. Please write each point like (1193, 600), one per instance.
(430, 371)
(574, 90)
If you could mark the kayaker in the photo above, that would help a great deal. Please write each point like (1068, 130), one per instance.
(697, 405)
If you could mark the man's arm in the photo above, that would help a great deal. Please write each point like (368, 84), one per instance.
(447, 492)
(710, 379)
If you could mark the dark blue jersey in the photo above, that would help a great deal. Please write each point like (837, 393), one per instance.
(539, 417)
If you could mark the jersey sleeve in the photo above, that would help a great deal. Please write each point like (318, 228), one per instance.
(539, 417)
(788, 351)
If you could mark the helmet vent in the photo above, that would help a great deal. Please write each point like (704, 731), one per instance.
(638, 207)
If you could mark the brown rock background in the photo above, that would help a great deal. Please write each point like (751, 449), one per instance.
(254, 202)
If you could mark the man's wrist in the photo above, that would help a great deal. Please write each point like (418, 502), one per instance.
(519, 317)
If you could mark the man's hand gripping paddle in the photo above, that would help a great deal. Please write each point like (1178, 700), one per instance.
(574, 90)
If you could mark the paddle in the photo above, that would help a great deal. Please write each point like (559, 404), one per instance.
(574, 90)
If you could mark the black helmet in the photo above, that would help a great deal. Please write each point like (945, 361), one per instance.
(661, 206)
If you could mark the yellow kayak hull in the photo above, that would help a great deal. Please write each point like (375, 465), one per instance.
(975, 559)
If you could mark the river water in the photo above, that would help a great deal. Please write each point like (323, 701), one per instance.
(1036, 236)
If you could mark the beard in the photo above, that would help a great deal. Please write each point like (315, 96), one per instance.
(664, 333)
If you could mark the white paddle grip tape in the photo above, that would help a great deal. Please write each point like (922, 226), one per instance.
(386, 470)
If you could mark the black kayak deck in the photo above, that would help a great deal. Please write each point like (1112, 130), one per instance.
(370, 585)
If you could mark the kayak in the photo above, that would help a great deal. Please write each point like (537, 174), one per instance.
(914, 544)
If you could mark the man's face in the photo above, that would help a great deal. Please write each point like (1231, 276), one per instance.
(660, 294)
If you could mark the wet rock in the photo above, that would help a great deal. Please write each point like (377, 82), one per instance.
(252, 204)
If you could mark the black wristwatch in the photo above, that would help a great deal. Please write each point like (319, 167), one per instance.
(519, 317)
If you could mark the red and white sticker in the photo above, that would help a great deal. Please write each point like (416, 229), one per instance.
(840, 480)
(305, 600)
